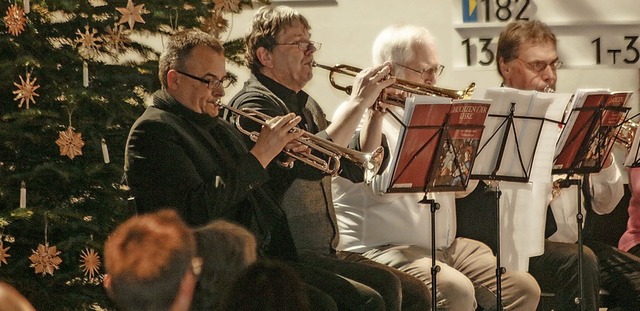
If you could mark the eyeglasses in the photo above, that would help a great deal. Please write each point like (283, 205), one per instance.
(540, 66)
(225, 82)
(426, 72)
(305, 46)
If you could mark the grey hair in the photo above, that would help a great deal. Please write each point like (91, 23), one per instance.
(396, 43)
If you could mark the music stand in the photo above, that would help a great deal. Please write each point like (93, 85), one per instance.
(517, 117)
(588, 145)
(436, 151)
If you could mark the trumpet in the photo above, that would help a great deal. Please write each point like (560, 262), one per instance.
(370, 162)
(404, 86)
(626, 133)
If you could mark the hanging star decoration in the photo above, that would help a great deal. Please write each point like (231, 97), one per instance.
(90, 262)
(116, 38)
(3, 254)
(70, 143)
(26, 90)
(131, 14)
(232, 6)
(45, 259)
(87, 43)
(15, 20)
(215, 24)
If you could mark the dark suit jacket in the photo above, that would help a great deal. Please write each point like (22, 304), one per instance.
(199, 165)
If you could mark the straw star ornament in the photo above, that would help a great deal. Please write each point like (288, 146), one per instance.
(4, 254)
(26, 91)
(15, 20)
(131, 14)
(45, 260)
(87, 42)
(90, 262)
(70, 143)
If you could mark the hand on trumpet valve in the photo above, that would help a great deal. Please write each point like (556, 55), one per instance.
(275, 135)
(369, 83)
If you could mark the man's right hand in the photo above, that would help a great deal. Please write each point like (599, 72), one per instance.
(278, 133)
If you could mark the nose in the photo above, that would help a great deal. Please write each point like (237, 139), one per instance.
(430, 79)
(549, 74)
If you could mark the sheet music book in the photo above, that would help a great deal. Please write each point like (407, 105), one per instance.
(507, 149)
(437, 144)
(588, 136)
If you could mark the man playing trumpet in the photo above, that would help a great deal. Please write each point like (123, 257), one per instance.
(280, 56)
(395, 229)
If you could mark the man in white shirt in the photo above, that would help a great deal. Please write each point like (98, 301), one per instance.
(395, 229)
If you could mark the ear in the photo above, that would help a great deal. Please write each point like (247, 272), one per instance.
(264, 57)
(503, 67)
(107, 284)
(172, 79)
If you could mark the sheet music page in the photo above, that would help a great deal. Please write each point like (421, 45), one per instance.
(543, 162)
(520, 145)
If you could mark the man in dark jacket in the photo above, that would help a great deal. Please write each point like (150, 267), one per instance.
(181, 155)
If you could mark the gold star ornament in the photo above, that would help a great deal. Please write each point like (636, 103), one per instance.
(70, 143)
(227, 5)
(15, 20)
(87, 42)
(131, 14)
(116, 38)
(3, 254)
(215, 24)
(45, 260)
(26, 90)
(90, 262)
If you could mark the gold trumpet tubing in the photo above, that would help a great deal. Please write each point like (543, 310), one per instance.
(333, 151)
(626, 133)
(400, 84)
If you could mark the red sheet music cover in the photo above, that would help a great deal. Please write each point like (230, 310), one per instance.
(449, 150)
(590, 136)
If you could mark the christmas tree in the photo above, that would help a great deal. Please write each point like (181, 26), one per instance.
(74, 76)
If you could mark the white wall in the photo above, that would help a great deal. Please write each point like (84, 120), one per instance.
(347, 28)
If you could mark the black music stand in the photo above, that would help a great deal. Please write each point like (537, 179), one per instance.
(513, 160)
(433, 156)
(588, 144)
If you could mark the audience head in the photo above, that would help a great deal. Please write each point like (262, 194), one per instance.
(267, 286)
(12, 300)
(527, 58)
(226, 250)
(411, 51)
(192, 70)
(278, 46)
(151, 263)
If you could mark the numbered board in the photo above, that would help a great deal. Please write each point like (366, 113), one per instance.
(591, 33)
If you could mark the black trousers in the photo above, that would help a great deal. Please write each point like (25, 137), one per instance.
(619, 274)
(358, 283)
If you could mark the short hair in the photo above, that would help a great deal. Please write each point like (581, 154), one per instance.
(179, 47)
(396, 43)
(226, 250)
(267, 23)
(146, 258)
(519, 32)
